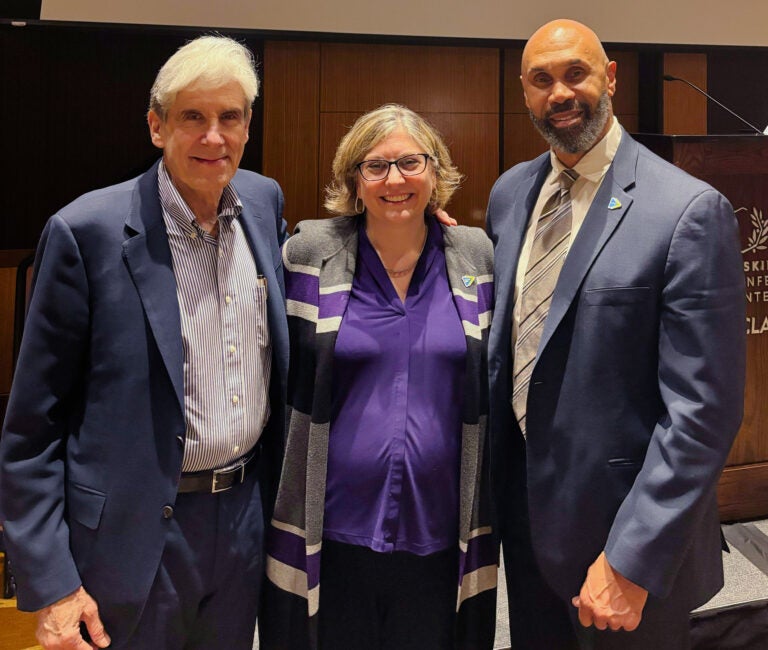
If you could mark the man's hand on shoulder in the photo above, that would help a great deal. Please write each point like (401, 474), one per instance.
(58, 625)
(444, 218)
(608, 599)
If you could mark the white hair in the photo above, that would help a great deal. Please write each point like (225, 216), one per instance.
(208, 61)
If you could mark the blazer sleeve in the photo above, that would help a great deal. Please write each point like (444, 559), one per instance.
(273, 443)
(40, 411)
(701, 373)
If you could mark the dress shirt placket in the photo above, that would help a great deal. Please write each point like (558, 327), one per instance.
(399, 421)
(231, 345)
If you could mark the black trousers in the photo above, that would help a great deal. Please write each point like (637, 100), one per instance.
(386, 601)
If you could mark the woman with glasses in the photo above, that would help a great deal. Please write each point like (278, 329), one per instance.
(380, 538)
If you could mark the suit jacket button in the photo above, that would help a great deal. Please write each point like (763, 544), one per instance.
(167, 512)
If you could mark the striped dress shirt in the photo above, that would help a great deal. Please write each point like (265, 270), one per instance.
(224, 331)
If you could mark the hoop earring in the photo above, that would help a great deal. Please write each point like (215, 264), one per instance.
(361, 209)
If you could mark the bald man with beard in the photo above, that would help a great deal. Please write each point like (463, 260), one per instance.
(617, 389)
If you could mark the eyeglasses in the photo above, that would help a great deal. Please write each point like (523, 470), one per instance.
(377, 170)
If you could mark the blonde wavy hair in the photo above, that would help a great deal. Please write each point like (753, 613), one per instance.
(366, 133)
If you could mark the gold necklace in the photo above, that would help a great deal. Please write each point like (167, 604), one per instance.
(399, 273)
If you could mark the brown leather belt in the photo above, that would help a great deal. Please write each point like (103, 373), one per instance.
(218, 480)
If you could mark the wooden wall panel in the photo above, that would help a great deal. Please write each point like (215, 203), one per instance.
(625, 99)
(456, 89)
(332, 128)
(473, 139)
(521, 139)
(685, 110)
(514, 101)
(428, 79)
(629, 122)
(9, 261)
(7, 306)
(291, 124)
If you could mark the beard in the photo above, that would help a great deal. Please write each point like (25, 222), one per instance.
(578, 138)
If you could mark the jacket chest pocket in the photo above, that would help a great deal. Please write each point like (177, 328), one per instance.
(617, 296)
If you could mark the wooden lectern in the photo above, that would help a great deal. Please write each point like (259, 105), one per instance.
(737, 165)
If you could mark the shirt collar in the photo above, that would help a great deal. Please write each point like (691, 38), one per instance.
(598, 159)
(172, 202)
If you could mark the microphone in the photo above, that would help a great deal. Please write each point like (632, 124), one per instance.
(669, 77)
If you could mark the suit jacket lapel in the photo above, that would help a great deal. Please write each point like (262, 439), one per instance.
(599, 223)
(252, 222)
(262, 242)
(148, 257)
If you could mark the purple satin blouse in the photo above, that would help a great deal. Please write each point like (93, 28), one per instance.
(395, 437)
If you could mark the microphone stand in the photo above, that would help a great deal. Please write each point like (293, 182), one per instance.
(669, 77)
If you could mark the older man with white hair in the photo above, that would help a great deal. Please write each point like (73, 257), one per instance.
(146, 411)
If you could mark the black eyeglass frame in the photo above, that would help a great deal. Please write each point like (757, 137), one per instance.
(359, 166)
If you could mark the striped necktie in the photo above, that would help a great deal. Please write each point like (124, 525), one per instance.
(550, 246)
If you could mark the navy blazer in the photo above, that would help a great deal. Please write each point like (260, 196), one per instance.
(637, 390)
(93, 439)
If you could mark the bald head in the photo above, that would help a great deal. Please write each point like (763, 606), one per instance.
(564, 35)
(568, 83)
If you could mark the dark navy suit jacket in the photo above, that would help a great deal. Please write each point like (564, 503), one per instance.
(637, 391)
(93, 439)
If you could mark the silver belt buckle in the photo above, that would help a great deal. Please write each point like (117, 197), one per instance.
(215, 483)
(221, 472)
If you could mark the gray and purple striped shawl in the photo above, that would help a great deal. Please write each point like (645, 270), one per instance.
(319, 265)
